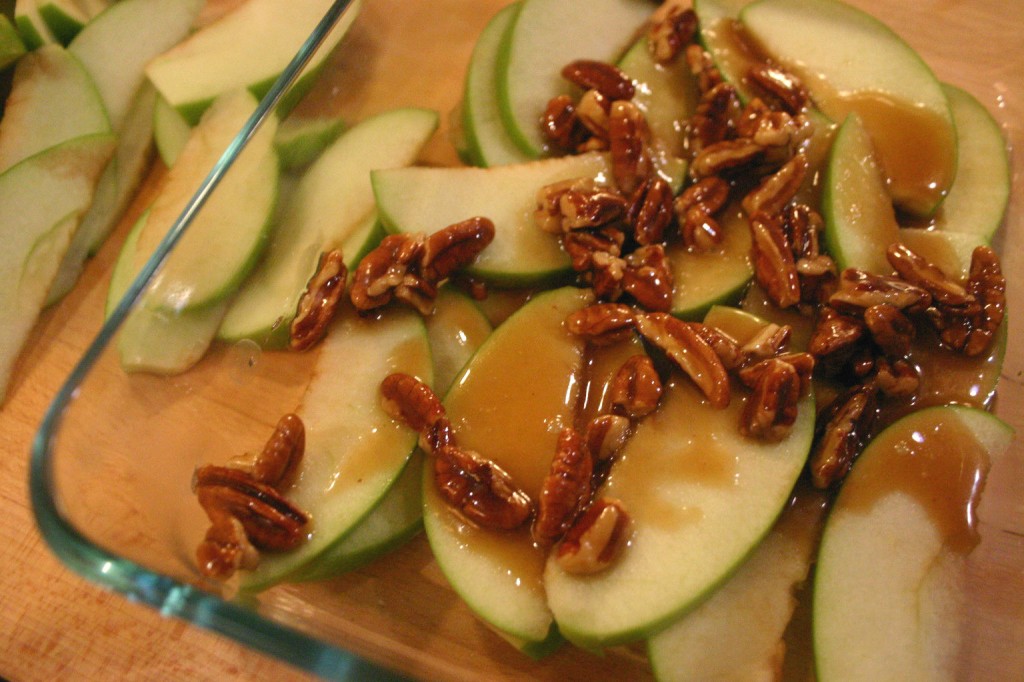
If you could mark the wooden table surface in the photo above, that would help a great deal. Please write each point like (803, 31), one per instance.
(55, 625)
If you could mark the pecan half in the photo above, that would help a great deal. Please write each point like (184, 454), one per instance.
(636, 388)
(896, 378)
(771, 409)
(225, 548)
(583, 246)
(481, 490)
(842, 432)
(725, 347)
(606, 78)
(596, 540)
(577, 204)
(454, 247)
(651, 211)
(780, 84)
(695, 356)
(766, 343)
(561, 126)
(566, 489)
(629, 140)
(413, 403)
(714, 118)
(774, 267)
(703, 67)
(891, 330)
(917, 270)
(695, 209)
(726, 156)
(277, 463)
(859, 290)
(603, 323)
(777, 189)
(270, 521)
(971, 329)
(648, 277)
(606, 275)
(673, 27)
(383, 269)
(318, 302)
(592, 111)
(605, 435)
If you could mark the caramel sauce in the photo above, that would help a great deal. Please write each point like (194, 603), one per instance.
(916, 147)
(603, 362)
(940, 464)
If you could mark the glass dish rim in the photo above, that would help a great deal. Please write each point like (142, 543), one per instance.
(166, 595)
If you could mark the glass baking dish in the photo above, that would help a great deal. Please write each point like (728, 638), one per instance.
(114, 457)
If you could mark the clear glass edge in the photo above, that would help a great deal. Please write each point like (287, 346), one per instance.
(137, 583)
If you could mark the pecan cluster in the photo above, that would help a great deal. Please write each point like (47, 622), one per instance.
(864, 333)
(411, 267)
(248, 512)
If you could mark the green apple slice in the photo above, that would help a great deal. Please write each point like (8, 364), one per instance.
(64, 18)
(157, 341)
(515, 423)
(547, 35)
(332, 207)
(394, 521)
(860, 222)
(915, 488)
(425, 200)
(52, 100)
(354, 451)
(701, 497)
(170, 131)
(116, 46)
(226, 237)
(977, 200)
(41, 201)
(455, 331)
(851, 62)
(717, 23)
(666, 94)
(488, 143)
(31, 26)
(737, 634)
(246, 48)
(114, 191)
(12, 47)
(300, 140)
(716, 276)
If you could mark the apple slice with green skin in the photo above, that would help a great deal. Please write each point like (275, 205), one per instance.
(34, 31)
(41, 201)
(737, 634)
(717, 22)
(915, 487)
(225, 239)
(12, 47)
(52, 100)
(65, 18)
(860, 222)
(354, 452)
(455, 331)
(717, 276)
(300, 140)
(514, 423)
(170, 131)
(332, 207)
(851, 62)
(977, 200)
(547, 35)
(666, 94)
(116, 46)
(246, 48)
(421, 199)
(114, 191)
(157, 341)
(487, 141)
(701, 497)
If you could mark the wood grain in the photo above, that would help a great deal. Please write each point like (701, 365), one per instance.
(54, 625)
